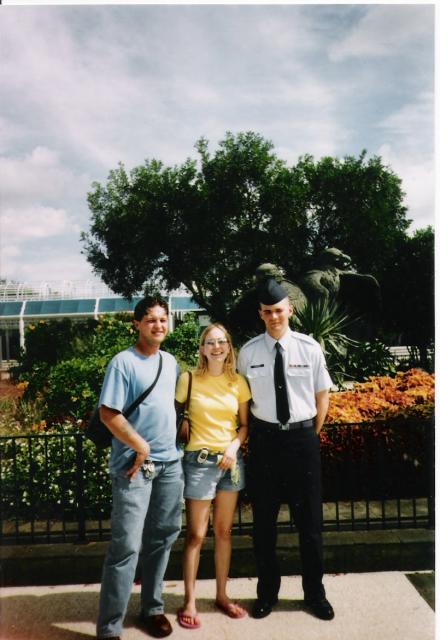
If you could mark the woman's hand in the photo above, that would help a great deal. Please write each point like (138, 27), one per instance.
(230, 455)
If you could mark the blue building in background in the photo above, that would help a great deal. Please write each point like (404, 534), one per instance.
(28, 302)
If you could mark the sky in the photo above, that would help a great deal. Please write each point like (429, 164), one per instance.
(85, 87)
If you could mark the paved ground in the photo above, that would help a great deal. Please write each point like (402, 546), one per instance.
(369, 606)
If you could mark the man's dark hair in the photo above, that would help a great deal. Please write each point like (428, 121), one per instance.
(142, 307)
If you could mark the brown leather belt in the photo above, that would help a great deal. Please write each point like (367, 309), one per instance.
(289, 426)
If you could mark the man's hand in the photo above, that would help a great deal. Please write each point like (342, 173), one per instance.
(139, 460)
(122, 429)
(322, 402)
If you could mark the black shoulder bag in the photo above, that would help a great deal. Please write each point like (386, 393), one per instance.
(98, 433)
(183, 432)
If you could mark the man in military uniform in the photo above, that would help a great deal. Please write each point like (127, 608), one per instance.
(290, 386)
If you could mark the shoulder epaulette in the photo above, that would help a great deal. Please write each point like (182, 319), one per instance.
(304, 337)
(253, 341)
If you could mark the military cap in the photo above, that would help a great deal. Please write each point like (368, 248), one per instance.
(270, 292)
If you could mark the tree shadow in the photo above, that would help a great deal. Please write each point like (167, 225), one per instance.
(71, 615)
(54, 616)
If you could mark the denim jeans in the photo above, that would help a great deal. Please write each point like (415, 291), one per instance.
(147, 514)
(204, 479)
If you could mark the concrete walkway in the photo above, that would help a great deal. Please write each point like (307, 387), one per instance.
(368, 606)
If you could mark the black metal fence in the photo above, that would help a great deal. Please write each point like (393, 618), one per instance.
(54, 487)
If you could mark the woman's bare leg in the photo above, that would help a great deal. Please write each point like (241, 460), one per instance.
(225, 504)
(197, 518)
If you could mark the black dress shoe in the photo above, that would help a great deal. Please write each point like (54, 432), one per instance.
(321, 608)
(157, 626)
(262, 608)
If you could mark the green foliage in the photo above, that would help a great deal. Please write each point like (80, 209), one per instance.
(18, 415)
(50, 341)
(216, 223)
(183, 342)
(113, 334)
(69, 389)
(369, 359)
(326, 322)
(355, 205)
(408, 292)
(73, 387)
(40, 476)
(234, 209)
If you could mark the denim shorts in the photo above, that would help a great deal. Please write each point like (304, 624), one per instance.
(204, 479)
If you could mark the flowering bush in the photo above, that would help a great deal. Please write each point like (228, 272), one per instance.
(18, 415)
(183, 342)
(40, 475)
(378, 439)
(383, 398)
(68, 389)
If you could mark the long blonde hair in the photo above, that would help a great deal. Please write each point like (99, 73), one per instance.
(230, 363)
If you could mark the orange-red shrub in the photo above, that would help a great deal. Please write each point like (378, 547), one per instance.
(409, 394)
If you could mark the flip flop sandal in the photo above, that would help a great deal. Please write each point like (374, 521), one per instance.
(181, 615)
(232, 609)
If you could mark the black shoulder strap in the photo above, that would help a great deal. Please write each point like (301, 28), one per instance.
(145, 393)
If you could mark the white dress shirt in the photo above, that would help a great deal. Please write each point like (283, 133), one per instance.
(304, 367)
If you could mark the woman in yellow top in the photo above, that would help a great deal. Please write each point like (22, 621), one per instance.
(212, 463)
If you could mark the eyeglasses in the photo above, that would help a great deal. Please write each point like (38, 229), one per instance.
(213, 341)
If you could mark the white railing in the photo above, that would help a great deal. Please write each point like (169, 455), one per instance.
(60, 289)
(54, 290)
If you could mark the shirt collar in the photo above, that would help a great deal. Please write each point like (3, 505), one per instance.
(284, 340)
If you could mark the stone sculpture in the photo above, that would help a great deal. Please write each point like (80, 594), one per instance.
(333, 277)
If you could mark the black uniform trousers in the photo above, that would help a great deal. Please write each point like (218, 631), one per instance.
(285, 467)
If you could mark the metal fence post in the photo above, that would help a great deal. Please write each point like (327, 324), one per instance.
(81, 515)
(430, 460)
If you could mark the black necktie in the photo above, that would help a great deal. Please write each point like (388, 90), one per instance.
(282, 401)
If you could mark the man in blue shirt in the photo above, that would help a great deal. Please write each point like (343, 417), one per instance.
(146, 473)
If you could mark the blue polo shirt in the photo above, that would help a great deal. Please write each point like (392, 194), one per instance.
(128, 374)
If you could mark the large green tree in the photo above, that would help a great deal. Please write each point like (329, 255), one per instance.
(208, 223)
(408, 292)
(355, 205)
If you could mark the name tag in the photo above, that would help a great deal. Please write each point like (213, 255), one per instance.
(300, 366)
(256, 366)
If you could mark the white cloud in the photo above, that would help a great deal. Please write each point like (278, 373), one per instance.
(412, 119)
(88, 87)
(48, 266)
(418, 182)
(385, 30)
(408, 148)
(74, 95)
(18, 225)
(10, 132)
(39, 175)
(40, 243)
(10, 251)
